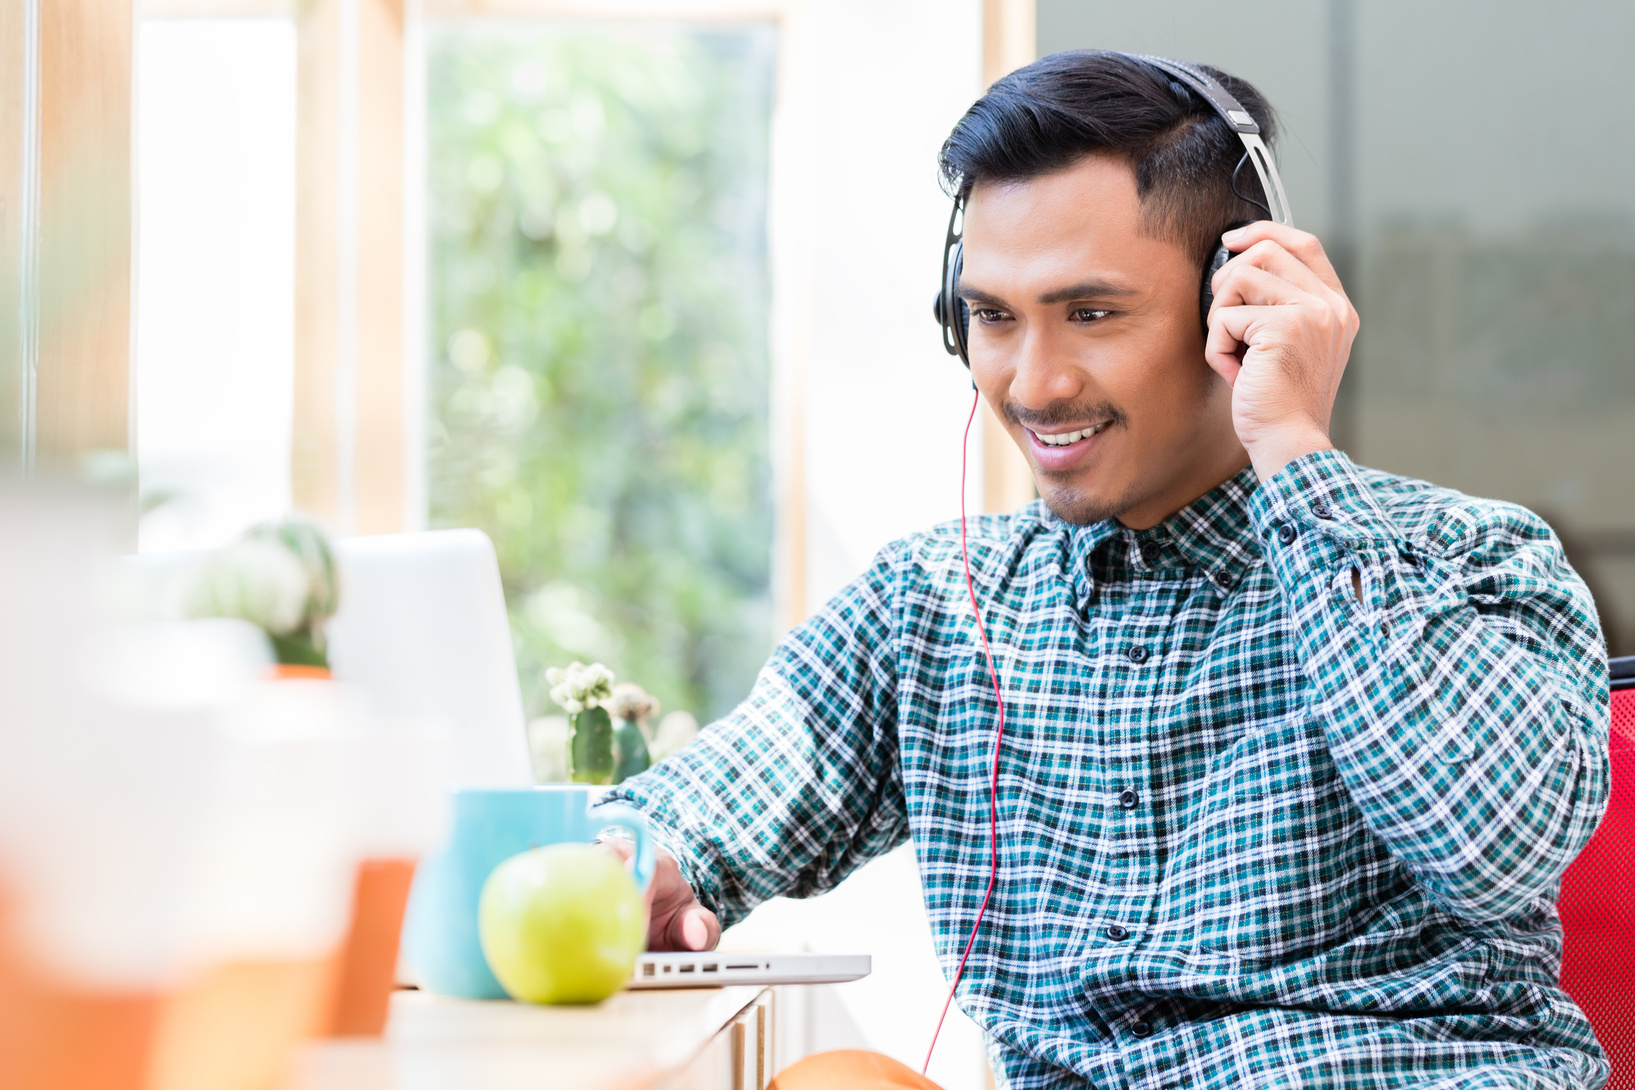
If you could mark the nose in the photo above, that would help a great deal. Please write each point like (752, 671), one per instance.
(1043, 372)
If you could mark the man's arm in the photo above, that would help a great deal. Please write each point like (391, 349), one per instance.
(1461, 676)
(1463, 690)
(794, 789)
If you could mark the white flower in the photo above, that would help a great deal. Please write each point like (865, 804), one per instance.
(579, 686)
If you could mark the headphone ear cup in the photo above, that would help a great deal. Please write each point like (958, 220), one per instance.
(1206, 295)
(958, 314)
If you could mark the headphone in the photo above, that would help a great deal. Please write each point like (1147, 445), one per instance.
(955, 319)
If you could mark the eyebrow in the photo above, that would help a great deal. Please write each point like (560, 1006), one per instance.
(1088, 289)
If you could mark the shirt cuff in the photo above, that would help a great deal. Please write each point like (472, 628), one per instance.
(1323, 493)
(1317, 522)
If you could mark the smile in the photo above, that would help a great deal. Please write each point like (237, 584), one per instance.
(1068, 438)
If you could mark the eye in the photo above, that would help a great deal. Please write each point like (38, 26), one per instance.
(1088, 314)
(988, 315)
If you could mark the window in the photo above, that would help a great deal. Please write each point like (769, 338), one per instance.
(598, 369)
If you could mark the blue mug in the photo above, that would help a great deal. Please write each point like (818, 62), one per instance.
(440, 939)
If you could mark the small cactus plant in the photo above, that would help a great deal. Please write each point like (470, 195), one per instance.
(580, 690)
(599, 751)
(632, 708)
(280, 576)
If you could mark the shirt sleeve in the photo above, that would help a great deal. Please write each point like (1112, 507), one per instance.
(800, 784)
(1463, 694)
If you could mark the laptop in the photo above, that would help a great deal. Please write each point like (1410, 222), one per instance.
(717, 970)
(422, 626)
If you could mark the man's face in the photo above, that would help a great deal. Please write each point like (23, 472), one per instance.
(1085, 339)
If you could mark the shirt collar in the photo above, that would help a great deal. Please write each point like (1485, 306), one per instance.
(1212, 533)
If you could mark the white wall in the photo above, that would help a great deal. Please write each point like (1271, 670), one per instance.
(876, 88)
(215, 298)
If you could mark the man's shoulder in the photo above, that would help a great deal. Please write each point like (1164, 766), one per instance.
(1446, 521)
(987, 536)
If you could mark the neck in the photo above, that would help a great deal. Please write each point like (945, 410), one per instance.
(1200, 476)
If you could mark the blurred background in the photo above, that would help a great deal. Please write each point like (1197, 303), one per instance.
(1466, 165)
(641, 288)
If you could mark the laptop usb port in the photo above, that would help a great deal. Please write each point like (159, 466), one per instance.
(709, 966)
(689, 967)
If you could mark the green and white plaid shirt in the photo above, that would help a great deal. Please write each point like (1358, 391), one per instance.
(1252, 832)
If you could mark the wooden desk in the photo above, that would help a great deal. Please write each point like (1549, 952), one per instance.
(703, 1039)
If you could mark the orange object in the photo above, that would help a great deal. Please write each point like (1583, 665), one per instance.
(368, 959)
(235, 1027)
(54, 1037)
(850, 1069)
(288, 671)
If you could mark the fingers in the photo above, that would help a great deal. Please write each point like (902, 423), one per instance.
(692, 928)
(1274, 259)
(1302, 244)
(1249, 285)
(676, 921)
(1227, 340)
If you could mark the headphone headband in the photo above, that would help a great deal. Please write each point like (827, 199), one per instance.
(1232, 111)
(950, 311)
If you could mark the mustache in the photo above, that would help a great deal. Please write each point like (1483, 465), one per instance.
(1059, 413)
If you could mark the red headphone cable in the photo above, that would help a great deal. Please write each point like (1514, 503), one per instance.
(999, 735)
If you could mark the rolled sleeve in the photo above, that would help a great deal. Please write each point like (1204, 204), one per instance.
(1461, 687)
(799, 785)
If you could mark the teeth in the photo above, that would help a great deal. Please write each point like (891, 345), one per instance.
(1067, 438)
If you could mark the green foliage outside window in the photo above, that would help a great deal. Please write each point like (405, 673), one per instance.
(598, 357)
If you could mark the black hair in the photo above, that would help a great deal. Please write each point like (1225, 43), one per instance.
(1057, 110)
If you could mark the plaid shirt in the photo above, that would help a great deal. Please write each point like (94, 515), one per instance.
(1253, 830)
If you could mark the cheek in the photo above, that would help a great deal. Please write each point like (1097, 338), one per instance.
(1167, 383)
(989, 373)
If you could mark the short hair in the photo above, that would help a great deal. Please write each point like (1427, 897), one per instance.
(1051, 114)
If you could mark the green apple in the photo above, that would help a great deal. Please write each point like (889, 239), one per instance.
(562, 924)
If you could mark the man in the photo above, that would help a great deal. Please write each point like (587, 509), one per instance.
(1295, 751)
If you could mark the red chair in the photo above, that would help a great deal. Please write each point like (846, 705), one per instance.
(1598, 900)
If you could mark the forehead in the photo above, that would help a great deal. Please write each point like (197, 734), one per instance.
(1085, 218)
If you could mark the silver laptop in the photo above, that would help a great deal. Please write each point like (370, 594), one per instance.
(717, 970)
(422, 626)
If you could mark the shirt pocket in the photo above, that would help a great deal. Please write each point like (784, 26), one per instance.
(1279, 864)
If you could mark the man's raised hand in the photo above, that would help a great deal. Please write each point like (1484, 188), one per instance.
(675, 919)
(1280, 332)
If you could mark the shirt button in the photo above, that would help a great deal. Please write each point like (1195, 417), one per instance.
(1322, 510)
(1141, 1028)
(1222, 580)
(1127, 798)
(1150, 551)
(1286, 533)
(1117, 932)
(1137, 654)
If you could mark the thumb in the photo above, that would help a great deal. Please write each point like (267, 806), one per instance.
(693, 928)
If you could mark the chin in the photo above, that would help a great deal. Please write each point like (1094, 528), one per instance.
(1081, 506)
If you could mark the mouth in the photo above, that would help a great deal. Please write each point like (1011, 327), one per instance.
(1068, 438)
(1061, 451)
